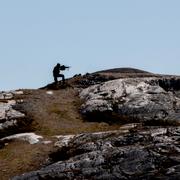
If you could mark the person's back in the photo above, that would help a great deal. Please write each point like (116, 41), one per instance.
(56, 70)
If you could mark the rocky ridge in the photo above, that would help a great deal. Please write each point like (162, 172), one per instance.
(139, 154)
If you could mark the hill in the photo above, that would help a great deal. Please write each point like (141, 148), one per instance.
(87, 131)
(123, 70)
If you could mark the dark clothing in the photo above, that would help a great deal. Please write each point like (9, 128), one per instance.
(59, 75)
(56, 70)
(56, 73)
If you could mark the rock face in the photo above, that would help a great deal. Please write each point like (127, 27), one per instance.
(10, 119)
(139, 154)
(134, 99)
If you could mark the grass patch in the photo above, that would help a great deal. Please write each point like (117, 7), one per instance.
(24, 157)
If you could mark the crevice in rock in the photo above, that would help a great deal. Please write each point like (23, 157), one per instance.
(22, 125)
(168, 84)
(66, 153)
(110, 117)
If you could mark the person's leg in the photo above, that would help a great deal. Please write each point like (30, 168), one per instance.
(62, 76)
(55, 79)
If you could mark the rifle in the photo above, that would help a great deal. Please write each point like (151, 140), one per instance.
(63, 67)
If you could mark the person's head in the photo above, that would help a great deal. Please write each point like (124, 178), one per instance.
(58, 65)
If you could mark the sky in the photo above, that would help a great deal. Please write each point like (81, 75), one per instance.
(88, 35)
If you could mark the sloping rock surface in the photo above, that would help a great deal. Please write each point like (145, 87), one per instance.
(32, 138)
(134, 99)
(139, 154)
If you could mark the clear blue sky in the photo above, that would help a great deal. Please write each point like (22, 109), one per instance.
(88, 35)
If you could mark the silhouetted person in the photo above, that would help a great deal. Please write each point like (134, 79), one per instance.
(56, 73)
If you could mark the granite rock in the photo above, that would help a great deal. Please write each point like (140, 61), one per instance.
(140, 154)
(133, 99)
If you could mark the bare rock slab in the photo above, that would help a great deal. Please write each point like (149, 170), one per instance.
(31, 138)
(144, 154)
(132, 99)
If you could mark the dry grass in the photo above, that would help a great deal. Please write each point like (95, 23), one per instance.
(19, 157)
(56, 114)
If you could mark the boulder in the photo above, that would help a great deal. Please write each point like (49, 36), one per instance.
(11, 120)
(148, 100)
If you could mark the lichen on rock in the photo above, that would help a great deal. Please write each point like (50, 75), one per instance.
(142, 154)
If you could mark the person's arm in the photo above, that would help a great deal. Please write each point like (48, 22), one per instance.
(63, 67)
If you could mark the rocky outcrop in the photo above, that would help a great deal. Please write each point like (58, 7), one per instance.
(107, 75)
(92, 79)
(139, 154)
(149, 100)
(11, 120)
